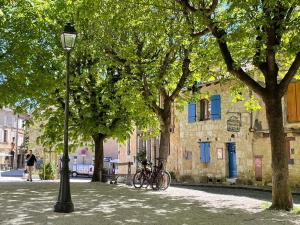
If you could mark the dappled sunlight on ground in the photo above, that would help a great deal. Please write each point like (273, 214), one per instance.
(32, 203)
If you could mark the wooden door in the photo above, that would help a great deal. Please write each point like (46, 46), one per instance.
(258, 168)
(232, 167)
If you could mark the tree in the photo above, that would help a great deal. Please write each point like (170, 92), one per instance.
(97, 108)
(155, 53)
(259, 36)
(24, 44)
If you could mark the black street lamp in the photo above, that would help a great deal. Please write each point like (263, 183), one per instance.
(64, 203)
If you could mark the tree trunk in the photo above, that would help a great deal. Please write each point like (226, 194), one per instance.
(281, 194)
(164, 145)
(98, 166)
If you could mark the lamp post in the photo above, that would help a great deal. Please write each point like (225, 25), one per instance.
(64, 203)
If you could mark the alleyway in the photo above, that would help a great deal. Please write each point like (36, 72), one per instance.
(32, 203)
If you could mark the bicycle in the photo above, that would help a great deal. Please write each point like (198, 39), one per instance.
(158, 178)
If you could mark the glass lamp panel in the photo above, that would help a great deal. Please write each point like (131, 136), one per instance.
(68, 41)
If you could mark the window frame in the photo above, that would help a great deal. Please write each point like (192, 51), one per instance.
(204, 109)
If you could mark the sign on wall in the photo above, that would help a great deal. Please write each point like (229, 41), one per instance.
(219, 153)
(233, 124)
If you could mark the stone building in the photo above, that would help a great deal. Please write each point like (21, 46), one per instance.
(216, 139)
(12, 134)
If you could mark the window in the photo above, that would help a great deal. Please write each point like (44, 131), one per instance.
(293, 102)
(20, 123)
(205, 152)
(9, 121)
(5, 136)
(215, 103)
(139, 143)
(188, 155)
(288, 149)
(203, 110)
(191, 112)
(128, 146)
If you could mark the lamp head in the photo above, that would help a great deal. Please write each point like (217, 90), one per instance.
(68, 37)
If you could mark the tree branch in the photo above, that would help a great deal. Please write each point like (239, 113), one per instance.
(273, 31)
(146, 90)
(212, 7)
(283, 85)
(169, 58)
(193, 33)
(185, 74)
(257, 57)
(236, 71)
(289, 12)
(200, 33)
(146, 93)
(187, 5)
(115, 56)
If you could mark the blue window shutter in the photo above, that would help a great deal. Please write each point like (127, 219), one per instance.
(191, 112)
(215, 102)
(202, 152)
(207, 152)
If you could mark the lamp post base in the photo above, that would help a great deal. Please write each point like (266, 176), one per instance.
(64, 207)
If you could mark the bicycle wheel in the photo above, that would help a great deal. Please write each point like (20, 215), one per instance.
(145, 181)
(165, 180)
(157, 182)
(138, 179)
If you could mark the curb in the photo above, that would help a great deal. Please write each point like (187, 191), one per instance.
(254, 188)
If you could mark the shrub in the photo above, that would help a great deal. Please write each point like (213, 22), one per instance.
(173, 175)
(47, 172)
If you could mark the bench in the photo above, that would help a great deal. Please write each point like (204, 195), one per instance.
(127, 177)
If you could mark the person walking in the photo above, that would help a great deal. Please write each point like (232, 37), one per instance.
(31, 159)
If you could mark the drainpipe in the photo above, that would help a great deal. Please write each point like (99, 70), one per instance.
(251, 128)
(16, 152)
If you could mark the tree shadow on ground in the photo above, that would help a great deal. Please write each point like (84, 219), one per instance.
(251, 193)
(32, 203)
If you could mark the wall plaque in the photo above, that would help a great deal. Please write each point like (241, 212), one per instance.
(233, 124)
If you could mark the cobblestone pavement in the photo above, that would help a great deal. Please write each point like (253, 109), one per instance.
(32, 203)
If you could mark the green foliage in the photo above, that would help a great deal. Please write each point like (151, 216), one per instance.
(27, 50)
(236, 92)
(47, 171)
(100, 98)
(141, 155)
(252, 104)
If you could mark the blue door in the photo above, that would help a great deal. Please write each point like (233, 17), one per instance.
(231, 160)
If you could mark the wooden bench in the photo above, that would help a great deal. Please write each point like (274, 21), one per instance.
(127, 177)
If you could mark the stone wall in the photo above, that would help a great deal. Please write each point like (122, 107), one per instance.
(252, 142)
(215, 132)
(123, 155)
